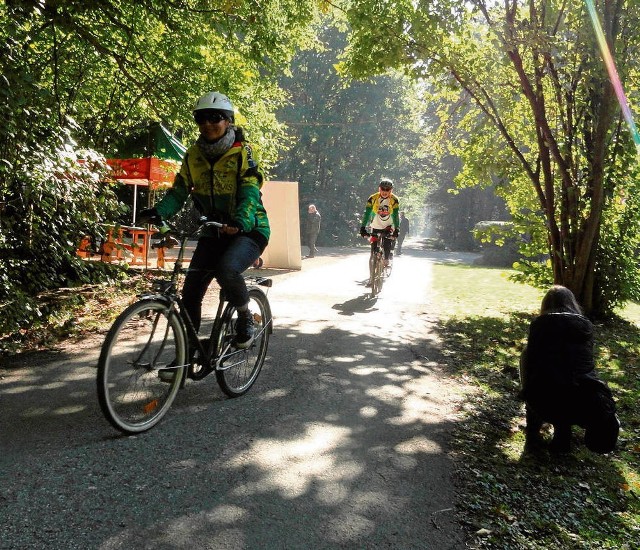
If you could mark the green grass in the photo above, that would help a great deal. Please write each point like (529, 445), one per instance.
(509, 498)
(462, 290)
(631, 312)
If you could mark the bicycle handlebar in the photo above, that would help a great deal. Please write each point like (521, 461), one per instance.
(386, 233)
(165, 228)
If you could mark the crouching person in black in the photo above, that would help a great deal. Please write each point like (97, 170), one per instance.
(559, 382)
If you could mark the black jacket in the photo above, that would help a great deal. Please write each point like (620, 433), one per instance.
(557, 362)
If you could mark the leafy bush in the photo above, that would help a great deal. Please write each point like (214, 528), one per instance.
(49, 199)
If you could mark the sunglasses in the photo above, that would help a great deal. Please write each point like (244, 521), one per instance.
(385, 188)
(214, 118)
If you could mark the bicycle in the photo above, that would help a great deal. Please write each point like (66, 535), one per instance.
(378, 271)
(145, 358)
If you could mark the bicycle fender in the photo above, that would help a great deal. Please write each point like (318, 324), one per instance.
(155, 297)
(267, 305)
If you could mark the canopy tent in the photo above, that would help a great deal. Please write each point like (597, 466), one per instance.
(156, 169)
(167, 145)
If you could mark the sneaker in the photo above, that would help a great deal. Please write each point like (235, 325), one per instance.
(245, 330)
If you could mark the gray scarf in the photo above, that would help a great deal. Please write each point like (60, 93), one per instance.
(214, 150)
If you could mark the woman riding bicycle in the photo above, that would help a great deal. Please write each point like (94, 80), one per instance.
(382, 214)
(224, 181)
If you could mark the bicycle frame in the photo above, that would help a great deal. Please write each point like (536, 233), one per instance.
(378, 239)
(168, 290)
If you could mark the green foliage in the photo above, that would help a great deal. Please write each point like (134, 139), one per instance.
(618, 274)
(344, 136)
(48, 197)
(76, 76)
(49, 201)
(524, 100)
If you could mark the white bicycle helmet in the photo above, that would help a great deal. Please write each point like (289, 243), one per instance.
(386, 183)
(215, 101)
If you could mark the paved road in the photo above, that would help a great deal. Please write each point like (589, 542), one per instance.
(342, 443)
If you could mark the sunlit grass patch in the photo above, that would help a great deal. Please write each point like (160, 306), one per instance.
(462, 290)
(631, 312)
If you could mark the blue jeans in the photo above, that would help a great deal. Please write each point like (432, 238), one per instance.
(224, 258)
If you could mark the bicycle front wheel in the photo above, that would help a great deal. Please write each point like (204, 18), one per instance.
(238, 369)
(378, 266)
(141, 366)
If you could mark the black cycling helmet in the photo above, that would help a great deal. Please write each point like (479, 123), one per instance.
(386, 184)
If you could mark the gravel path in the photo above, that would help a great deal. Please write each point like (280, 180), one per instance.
(342, 443)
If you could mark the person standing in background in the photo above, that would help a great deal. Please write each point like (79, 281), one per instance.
(313, 228)
(403, 232)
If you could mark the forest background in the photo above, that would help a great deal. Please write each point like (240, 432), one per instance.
(477, 111)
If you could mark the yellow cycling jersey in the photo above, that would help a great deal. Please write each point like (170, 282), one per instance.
(382, 212)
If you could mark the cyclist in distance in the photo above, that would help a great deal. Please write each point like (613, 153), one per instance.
(382, 214)
(223, 179)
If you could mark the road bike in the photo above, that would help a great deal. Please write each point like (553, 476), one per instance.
(147, 354)
(378, 271)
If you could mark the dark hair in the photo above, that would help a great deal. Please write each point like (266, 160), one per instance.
(240, 135)
(559, 299)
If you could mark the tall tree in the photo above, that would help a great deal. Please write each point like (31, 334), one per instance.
(346, 135)
(549, 116)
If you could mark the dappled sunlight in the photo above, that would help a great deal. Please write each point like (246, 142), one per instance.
(368, 412)
(18, 389)
(362, 370)
(398, 377)
(342, 434)
(274, 394)
(386, 393)
(292, 466)
(346, 359)
(498, 468)
(414, 409)
(310, 328)
(84, 374)
(69, 410)
(52, 386)
(226, 514)
(418, 445)
(320, 438)
(35, 411)
(332, 493)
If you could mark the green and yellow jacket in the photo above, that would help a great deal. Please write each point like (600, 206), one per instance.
(227, 191)
(381, 213)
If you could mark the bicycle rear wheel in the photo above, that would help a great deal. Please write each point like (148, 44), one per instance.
(141, 366)
(238, 369)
